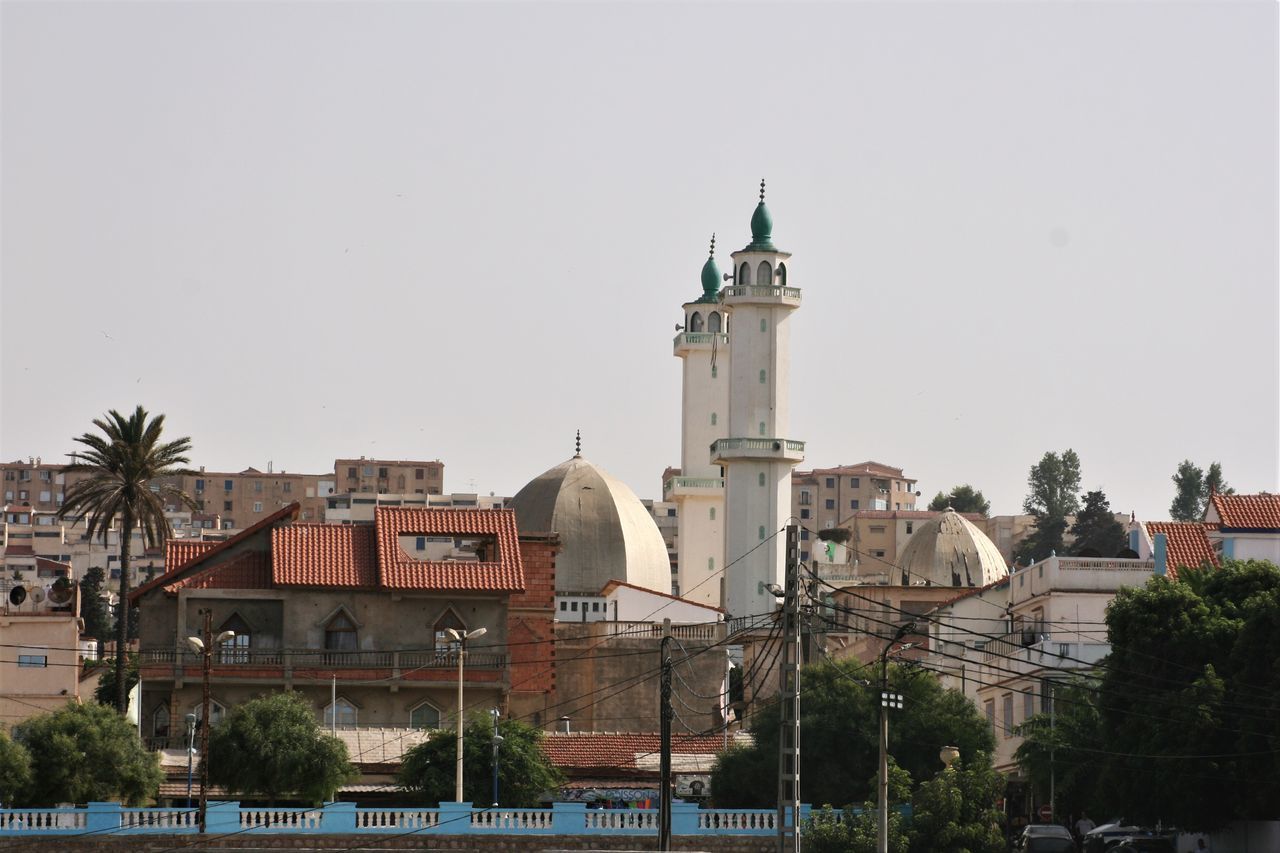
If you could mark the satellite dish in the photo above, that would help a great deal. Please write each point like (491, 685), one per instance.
(17, 595)
(60, 592)
(37, 595)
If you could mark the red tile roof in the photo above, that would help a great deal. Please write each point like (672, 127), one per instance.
(179, 552)
(1248, 512)
(620, 750)
(400, 571)
(246, 570)
(324, 555)
(1188, 545)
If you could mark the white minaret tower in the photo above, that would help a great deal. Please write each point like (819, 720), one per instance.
(756, 454)
(698, 491)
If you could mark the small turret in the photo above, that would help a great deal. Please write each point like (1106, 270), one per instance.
(761, 227)
(711, 276)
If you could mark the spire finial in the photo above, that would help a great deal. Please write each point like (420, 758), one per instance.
(713, 244)
(577, 443)
(762, 190)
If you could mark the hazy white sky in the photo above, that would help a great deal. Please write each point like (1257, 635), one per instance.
(420, 230)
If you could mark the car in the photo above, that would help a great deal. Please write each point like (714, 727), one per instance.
(1102, 838)
(1145, 844)
(1046, 838)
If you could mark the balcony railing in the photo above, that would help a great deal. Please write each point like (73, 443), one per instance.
(761, 290)
(693, 483)
(325, 659)
(701, 337)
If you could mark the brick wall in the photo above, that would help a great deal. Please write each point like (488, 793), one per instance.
(531, 631)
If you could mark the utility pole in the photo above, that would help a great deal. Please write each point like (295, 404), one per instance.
(887, 700)
(206, 668)
(789, 686)
(664, 794)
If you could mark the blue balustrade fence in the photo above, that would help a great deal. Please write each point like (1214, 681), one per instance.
(225, 818)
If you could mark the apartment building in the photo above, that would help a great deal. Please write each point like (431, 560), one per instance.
(40, 648)
(389, 477)
(827, 497)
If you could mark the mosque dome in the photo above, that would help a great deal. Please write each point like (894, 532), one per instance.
(710, 276)
(605, 532)
(950, 551)
(761, 227)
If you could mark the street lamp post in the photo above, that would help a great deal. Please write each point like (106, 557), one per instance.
(461, 637)
(497, 741)
(204, 648)
(887, 700)
(191, 749)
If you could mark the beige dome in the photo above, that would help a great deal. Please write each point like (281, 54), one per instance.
(605, 532)
(950, 551)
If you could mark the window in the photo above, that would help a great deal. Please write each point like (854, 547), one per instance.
(340, 634)
(421, 543)
(226, 506)
(257, 506)
(764, 325)
(830, 503)
(257, 486)
(910, 526)
(762, 377)
(804, 555)
(1008, 715)
(424, 716)
(855, 482)
(368, 471)
(713, 371)
(713, 321)
(1028, 704)
(37, 661)
(711, 564)
(744, 275)
(574, 607)
(440, 630)
(764, 274)
(762, 427)
(831, 482)
(216, 712)
(804, 535)
(877, 528)
(853, 504)
(713, 513)
(713, 418)
(804, 513)
(287, 487)
(760, 478)
(990, 708)
(418, 474)
(695, 322)
(805, 497)
(382, 473)
(351, 472)
(45, 497)
(564, 606)
(595, 607)
(877, 553)
(671, 512)
(762, 533)
(199, 486)
(23, 494)
(226, 485)
(160, 721)
(346, 714)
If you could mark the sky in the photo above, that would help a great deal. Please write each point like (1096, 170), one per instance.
(306, 231)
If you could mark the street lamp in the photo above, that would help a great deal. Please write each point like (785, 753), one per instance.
(497, 741)
(887, 700)
(461, 637)
(204, 648)
(191, 749)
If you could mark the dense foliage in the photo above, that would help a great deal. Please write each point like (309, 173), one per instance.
(86, 752)
(120, 463)
(106, 691)
(525, 774)
(963, 498)
(272, 747)
(1053, 493)
(839, 740)
(1096, 528)
(15, 770)
(955, 811)
(1192, 487)
(1183, 724)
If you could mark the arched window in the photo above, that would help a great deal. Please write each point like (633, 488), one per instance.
(235, 650)
(346, 714)
(216, 712)
(762, 533)
(764, 274)
(713, 418)
(744, 274)
(782, 275)
(713, 371)
(761, 478)
(440, 630)
(424, 716)
(713, 513)
(695, 322)
(711, 564)
(763, 377)
(340, 633)
(764, 325)
(713, 321)
(762, 427)
(160, 721)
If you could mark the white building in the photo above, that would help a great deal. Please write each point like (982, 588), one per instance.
(1244, 527)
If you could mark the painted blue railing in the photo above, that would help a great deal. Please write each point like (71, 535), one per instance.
(347, 818)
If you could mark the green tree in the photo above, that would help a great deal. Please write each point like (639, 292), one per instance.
(1053, 489)
(1064, 746)
(272, 747)
(87, 752)
(955, 812)
(1214, 481)
(15, 770)
(107, 691)
(1188, 501)
(1096, 527)
(839, 725)
(97, 619)
(120, 463)
(962, 499)
(525, 774)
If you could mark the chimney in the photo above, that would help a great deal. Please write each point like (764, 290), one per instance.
(565, 725)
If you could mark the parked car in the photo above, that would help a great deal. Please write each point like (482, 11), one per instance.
(1102, 838)
(1145, 844)
(1046, 838)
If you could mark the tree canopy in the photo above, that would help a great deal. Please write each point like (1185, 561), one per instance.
(15, 770)
(1096, 528)
(272, 747)
(94, 611)
(839, 720)
(963, 498)
(107, 690)
(86, 752)
(1192, 489)
(1183, 723)
(120, 463)
(525, 774)
(1053, 493)
(955, 811)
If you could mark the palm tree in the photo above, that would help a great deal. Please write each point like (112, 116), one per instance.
(120, 463)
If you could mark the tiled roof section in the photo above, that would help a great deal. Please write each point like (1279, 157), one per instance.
(246, 570)
(624, 751)
(179, 552)
(368, 745)
(400, 571)
(324, 555)
(1188, 545)
(1248, 512)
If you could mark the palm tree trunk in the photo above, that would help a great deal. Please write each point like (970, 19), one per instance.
(122, 613)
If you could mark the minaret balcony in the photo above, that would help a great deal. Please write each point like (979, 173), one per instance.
(725, 450)
(761, 293)
(689, 341)
(698, 487)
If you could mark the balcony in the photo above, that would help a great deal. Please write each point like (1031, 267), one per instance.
(235, 664)
(728, 449)
(685, 341)
(761, 293)
(693, 487)
(1032, 648)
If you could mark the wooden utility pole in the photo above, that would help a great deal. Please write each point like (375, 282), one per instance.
(664, 794)
(789, 685)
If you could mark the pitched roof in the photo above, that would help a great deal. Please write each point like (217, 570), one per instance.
(1248, 512)
(625, 751)
(614, 584)
(246, 570)
(179, 552)
(400, 571)
(1188, 545)
(326, 555)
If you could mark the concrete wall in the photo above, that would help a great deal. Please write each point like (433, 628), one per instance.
(496, 843)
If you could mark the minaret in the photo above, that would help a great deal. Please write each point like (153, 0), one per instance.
(698, 491)
(757, 455)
